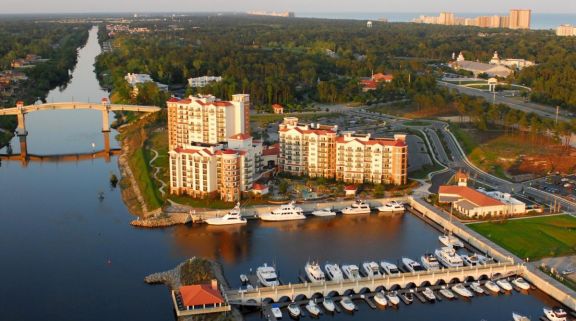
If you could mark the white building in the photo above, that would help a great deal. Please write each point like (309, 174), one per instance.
(211, 152)
(203, 81)
(566, 30)
(477, 68)
(136, 79)
(513, 63)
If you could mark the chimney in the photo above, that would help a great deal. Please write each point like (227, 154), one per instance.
(214, 284)
(19, 104)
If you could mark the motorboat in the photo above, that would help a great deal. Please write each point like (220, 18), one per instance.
(232, 217)
(333, 272)
(267, 275)
(347, 304)
(276, 312)
(429, 294)
(521, 284)
(519, 317)
(244, 279)
(555, 314)
(450, 240)
(412, 265)
(492, 287)
(393, 298)
(474, 259)
(392, 207)
(389, 268)
(371, 269)
(358, 207)
(294, 310)
(351, 272)
(314, 272)
(504, 284)
(286, 212)
(380, 299)
(462, 291)
(324, 212)
(407, 297)
(430, 262)
(447, 293)
(313, 308)
(448, 257)
(328, 304)
(475, 286)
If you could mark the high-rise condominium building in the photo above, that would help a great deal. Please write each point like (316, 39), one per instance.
(566, 31)
(320, 151)
(520, 18)
(211, 152)
(446, 18)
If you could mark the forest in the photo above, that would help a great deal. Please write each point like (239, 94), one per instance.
(285, 61)
(53, 41)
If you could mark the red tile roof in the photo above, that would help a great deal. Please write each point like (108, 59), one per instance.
(373, 141)
(382, 77)
(271, 151)
(173, 100)
(259, 187)
(241, 136)
(350, 188)
(200, 294)
(470, 194)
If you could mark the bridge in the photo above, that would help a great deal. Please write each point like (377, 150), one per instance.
(302, 291)
(104, 106)
(24, 157)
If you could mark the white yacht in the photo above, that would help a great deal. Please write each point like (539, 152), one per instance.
(504, 284)
(392, 207)
(450, 240)
(380, 299)
(347, 304)
(555, 314)
(389, 268)
(267, 275)
(333, 272)
(519, 317)
(430, 262)
(313, 308)
(448, 257)
(393, 298)
(475, 286)
(407, 297)
(324, 212)
(371, 269)
(352, 272)
(521, 284)
(429, 294)
(358, 207)
(412, 265)
(294, 310)
(286, 212)
(474, 259)
(328, 304)
(314, 272)
(493, 287)
(276, 312)
(461, 290)
(232, 217)
(447, 293)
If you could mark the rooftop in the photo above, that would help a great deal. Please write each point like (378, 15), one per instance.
(200, 294)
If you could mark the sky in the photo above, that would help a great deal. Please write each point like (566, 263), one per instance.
(87, 6)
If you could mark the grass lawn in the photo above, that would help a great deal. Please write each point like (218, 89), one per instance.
(417, 123)
(139, 166)
(533, 238)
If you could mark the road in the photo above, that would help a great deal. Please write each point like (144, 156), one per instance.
(541, 110)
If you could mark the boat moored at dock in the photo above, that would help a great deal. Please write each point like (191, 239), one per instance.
(380, 299)
(430, 262)
(328, 305)
(450, 240)
(358, 207)
(276, 312)
(475, 286)
(448, 257)
(392, 207)
(555, 314)
(231, 218)
(314, 272)
(267, 275)
(462, 291)
(333, 272)
(294, 310)
(371, 269)
(393, 298)
(324, 212)
(390, 268)
(519, 317)
(504, 285)
(492, 287)
(447, 293)
(347, 304)
(285, 212)
(411, 265)
(313, 308)
(351, 271)
(521, 284)
(429, 295)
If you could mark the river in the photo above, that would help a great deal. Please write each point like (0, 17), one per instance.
(66, 255)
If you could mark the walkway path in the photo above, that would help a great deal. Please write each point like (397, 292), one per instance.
(156, 171)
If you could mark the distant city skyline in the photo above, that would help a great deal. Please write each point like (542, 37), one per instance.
(412, 6)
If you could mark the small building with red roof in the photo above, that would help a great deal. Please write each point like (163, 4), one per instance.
(278, 109)
(260, 189)
(199, 299)
(350, 190)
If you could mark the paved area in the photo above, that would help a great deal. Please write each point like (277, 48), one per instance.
(561, 265)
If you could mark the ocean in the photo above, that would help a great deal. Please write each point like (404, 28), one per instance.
(540, 21)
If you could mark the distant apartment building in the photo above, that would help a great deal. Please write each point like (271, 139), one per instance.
(566, 30)
(520, 18)
(517, 19)
(211, 151)
(320, 151)
(203, 81)
(283, 14)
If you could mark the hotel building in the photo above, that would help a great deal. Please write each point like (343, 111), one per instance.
(520, 18)
(320, 151)
(566, 31)
(211, 152)
(517, 19)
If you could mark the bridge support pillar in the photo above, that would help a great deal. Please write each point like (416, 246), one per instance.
(21, 129)
(23, 151)
(105, 120)
(106, 146)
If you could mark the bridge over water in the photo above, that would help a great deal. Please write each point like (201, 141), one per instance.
(300, 291)
(104, 106)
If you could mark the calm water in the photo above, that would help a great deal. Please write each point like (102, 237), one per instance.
(68, 256)
(539, 20)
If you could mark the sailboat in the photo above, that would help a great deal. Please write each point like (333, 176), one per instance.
(449, 239)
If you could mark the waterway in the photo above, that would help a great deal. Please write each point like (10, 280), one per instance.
(66, 255)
